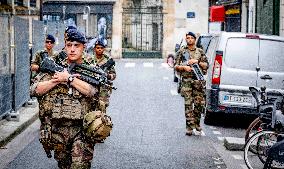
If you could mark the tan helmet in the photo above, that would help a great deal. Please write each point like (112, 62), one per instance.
(97, 126)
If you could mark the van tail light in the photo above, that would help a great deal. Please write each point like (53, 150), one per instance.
(216, 73)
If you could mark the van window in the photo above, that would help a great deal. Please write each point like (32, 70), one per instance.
(241, 53)
(203, 42)
(271, 57)
(211, 49)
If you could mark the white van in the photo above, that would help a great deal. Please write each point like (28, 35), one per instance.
(236, 62)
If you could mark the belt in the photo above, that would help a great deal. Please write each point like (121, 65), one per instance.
(65, 122)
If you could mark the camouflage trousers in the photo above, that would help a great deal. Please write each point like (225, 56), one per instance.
(71, 150)
(104, 95)
(193, 93)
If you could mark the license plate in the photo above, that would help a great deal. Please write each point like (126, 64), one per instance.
(237, 99)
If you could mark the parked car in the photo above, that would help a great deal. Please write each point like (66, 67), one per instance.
(237, 61)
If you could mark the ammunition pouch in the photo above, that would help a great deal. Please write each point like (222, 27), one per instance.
(97, 126)
(66, 107)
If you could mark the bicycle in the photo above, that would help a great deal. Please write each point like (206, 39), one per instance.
(258, 145)
(255, 124)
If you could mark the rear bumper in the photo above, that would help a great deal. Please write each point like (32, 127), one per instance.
(213, 105)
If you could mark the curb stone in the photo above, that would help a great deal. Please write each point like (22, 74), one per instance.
(234, 143)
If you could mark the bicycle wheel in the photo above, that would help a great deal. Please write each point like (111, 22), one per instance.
(264, 142)
(252, 128)
(260, 141)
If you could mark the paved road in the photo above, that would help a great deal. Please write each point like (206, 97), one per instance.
(149, 129)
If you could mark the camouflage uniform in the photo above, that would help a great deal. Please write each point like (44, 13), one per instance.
(192, 89)
(37, 58)
(104, 91)
(61, 117)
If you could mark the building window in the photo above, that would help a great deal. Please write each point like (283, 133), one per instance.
(51, 18)
(3, 2)
(33, 3)
(19, 2)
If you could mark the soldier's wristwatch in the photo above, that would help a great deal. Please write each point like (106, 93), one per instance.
(70, 79)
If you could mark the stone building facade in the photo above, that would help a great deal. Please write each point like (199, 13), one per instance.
(134, 28)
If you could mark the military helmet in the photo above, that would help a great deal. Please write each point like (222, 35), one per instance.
(97, 126)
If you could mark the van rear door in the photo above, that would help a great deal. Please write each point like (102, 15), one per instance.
(238, 71)
(240, 62)
(271, 64)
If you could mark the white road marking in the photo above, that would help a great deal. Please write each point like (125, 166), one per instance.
(221, 138)
(129, 64)
(174, 92)
(237, 157)
(148, 64)
(213, 128)
(217, 132)
(166, 78)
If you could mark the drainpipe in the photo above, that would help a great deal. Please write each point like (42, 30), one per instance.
(13, 115)
(251, 22)
(40, 10)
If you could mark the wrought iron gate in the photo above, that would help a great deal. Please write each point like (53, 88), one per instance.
(142, 32)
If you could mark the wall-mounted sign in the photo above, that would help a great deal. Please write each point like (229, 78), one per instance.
(217, 13)
(232, 11)
(190, 14)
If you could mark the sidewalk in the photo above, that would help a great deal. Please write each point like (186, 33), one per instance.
(10, 129)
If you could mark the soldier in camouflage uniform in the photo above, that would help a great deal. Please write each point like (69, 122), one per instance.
(99, 59)
(61, 111)
(192, 89)
(49, 44)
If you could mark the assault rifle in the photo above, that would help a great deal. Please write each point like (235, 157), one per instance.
(195, 67)
(62, 55)
(94, 75)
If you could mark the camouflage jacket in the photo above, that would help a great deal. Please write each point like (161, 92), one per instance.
(37, 57)
(198, 54)
(105, 92)
(57, 103)
(102, 61)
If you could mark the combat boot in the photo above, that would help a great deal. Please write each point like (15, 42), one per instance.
(189, 132)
